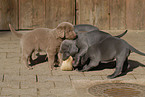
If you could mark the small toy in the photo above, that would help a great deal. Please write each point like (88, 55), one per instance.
(67, 65)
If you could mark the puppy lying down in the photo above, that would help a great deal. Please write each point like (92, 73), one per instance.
(67, 64)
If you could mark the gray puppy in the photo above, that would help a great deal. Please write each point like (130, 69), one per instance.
(84, 28)
(87, 39)
(106, 50)
(87, 28)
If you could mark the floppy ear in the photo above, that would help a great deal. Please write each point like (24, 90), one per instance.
(60, 31)
(64, 48)
(73, 49)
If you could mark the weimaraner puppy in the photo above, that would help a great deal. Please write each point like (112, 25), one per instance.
(105, 51)
(44, 39)
(87, 39)
(87, 28)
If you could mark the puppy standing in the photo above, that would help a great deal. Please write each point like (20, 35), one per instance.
(107, 50)
(44, 39)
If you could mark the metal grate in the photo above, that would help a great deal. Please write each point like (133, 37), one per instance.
(117, 90)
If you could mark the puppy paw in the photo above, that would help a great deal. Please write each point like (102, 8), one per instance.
(83, 70)
(110, 77)
(74, 65)
(30, 68)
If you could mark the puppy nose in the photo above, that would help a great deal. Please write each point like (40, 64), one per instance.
(76, 36)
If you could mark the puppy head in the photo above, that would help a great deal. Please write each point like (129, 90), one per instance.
(68, 48)
(66, 30)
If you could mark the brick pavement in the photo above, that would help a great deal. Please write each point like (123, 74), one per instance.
(17, 81)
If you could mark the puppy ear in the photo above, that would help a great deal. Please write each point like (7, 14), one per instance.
(73, 49)
(60, 31)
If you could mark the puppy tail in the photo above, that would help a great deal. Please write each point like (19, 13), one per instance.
(136, 51)
(19, 35)
(119, 36)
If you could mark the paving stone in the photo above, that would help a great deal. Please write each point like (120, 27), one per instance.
(48, 85)
(27, 84)
(68, 92)
(11, 84)
(5, 38)
(94, 73)
(1, 77)
(86, 77)
(12, 55)
(2, 55)
(14, 38)
(43, 91)
(27, 96)
(75, 77)
(10, 42)
(11, 96)
(61, 84)
(9, 78)
(9, 46)
(48, 95)
(10, 91)
(139, 76)
(10, 61)
(41, 69)
(83, 93)
(54, 78)
(11, 72)
(60, 72)
(10, 50)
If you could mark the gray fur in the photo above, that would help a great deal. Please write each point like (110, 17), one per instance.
(87, 39)
(84, 28)
(87, 28)
(109, 49)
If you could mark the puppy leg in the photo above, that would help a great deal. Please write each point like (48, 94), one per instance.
(119, 66)
(51, 62)
(26, 54)
(51, 59)
(120, 60)
(92, 64)
(125, 66)
(84, 59)
(60, 59)
(25, 60)
(83, 50)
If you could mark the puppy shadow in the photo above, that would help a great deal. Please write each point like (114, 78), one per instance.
(41, 59)
(111, 65)
(38, 60)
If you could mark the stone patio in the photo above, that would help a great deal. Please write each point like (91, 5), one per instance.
(17, 81)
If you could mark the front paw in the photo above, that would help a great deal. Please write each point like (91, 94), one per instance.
(83, 70)
(75, 65)
(30, 68)
(76, 62)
